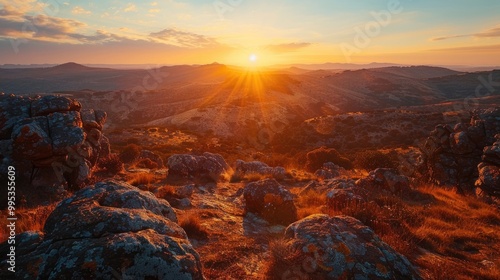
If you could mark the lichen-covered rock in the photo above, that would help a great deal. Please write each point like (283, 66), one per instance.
(206, 166)
(93, 119)
(108, 231)
(66, 131)
(31, 139)
(50, 104)
(342, 247)
(386, 180)
(489, 169)
(343, 193)
(53, 142)
(13, 109)
(270, 200)
(243, 169)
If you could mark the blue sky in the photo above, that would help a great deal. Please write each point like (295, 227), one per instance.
(228, 31)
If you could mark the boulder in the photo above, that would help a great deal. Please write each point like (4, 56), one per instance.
(344, 194)
(145, 154)
(329, 170)
(51, 143)
(243, 169)
(107, 231)
(93, 118)
(13, 109)
(66, 131)
(50, 104)
(341, 247)
(270, 200)
(31, 139)
(205, 166)
(386, 180)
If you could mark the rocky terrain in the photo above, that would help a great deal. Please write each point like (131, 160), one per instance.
(295, 196)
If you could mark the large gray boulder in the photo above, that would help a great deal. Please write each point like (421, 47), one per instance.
(204, 166)
(108, 231)
(341, 247)
(270, 200)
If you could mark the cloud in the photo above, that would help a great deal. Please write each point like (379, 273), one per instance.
(154, 11)
(39, 27)
(183, 39)
(154, 3)
(80, 11)
(24, 6)
(491, 33)
(130, 8)
(473, 49)
(289, 47)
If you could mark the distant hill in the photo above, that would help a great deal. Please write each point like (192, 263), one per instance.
(235, 101)
(418, 72)
(345, 66)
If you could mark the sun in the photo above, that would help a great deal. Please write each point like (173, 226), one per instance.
(252, 58)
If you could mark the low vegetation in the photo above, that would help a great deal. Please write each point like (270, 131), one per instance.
(448, 235)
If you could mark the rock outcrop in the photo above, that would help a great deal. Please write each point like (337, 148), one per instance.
(386, 180)
(452, 154)
(50, 139)
(341, 247)
(489, 169)
(243, 169)
(108, 231)
(270, 200)
(204, 166)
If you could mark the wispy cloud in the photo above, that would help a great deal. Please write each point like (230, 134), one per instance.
(154, 11)
(289, 47)
(183, 39)
(80, 11)
(493, 32)
(130, 8)
(474, 49)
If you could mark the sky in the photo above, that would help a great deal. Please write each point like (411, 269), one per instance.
(444, 32)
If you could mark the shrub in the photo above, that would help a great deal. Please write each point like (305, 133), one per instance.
(130, 153)
(110, 164)
(370, 160)
(316, 158)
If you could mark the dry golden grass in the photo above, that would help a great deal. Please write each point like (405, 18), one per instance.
(142, 178)
(463, 230)
(191, 223)
(166, 192)
(310, 202)
(28, 219)
(449, 236)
